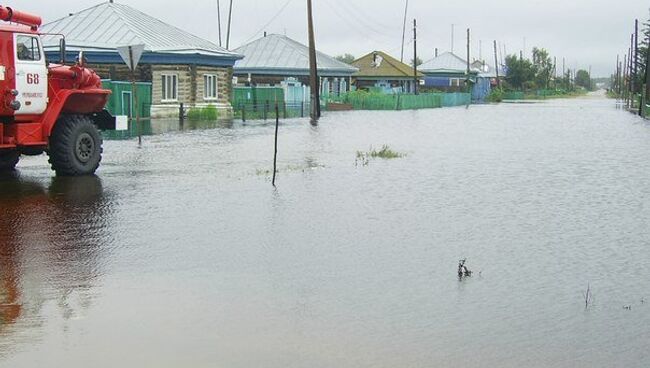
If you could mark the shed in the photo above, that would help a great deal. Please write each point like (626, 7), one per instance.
(183, 68)
(277, 60)
(380, 71)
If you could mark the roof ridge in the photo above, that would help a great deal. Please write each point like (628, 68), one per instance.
(132, 25)
(79, 12)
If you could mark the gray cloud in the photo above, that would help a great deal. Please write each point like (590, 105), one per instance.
(585, 32)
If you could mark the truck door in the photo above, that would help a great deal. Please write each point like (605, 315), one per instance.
(31, 74)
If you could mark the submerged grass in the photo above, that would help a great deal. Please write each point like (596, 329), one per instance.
(385, 153)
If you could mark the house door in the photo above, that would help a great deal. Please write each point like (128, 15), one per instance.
(127, 104)
(31, 74)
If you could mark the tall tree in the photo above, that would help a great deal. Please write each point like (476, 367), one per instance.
(583, 79)
(346, 58)
(543, 67)
(521, 74)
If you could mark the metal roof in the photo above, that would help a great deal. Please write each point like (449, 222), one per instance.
(279, 55)
(106, 26)
(378, 64)
(445, 63)
(486, 70)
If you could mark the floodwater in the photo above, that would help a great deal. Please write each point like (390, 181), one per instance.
(181, 253)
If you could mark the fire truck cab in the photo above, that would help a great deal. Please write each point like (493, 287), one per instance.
(55, 108)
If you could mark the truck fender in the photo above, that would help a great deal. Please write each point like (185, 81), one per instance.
(82, 102)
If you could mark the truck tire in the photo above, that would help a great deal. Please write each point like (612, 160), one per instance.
(75, 146)
(8, 160)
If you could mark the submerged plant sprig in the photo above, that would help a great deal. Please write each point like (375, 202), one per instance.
(385, 153)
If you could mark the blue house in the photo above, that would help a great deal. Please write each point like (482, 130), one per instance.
(447, 73)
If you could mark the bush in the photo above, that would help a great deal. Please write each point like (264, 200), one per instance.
(496, 95)
(209, 113)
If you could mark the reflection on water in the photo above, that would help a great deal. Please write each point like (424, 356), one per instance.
(184, 255)
(48, 250)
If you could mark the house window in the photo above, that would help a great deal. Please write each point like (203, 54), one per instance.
(169, 87)
(210, 87)
(454, 82)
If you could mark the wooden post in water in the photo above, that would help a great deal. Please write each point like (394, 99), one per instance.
(275, 152)
(313, 68)
(496, 63)
(415, 57)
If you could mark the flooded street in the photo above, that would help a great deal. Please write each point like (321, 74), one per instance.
(181, 253)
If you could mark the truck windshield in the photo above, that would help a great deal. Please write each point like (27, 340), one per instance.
(27, 48)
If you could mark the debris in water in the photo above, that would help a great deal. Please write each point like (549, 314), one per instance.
(463, 270)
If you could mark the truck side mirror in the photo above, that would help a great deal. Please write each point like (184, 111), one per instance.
(62, 50)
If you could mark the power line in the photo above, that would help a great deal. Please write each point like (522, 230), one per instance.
(273, 18)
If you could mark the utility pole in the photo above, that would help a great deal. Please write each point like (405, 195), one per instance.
(617, 76)
(415, 56)
(468, 61)
(313, 68)
(229, 24)
(647, 80)
(496, 64)
(636, 51)
(406, 9)
(632, 73)
(625, 81)
(630, 76)
(435, 53)
(219, 21)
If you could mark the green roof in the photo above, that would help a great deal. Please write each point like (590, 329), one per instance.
(378, 64)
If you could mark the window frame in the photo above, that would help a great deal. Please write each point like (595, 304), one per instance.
(164, 86)
(39, 47)
(213, 85)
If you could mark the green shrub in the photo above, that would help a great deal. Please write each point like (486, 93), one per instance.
(496, 95)
(209, 113)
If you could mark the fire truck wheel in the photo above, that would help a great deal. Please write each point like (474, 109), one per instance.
(75, 146)
(8, 160)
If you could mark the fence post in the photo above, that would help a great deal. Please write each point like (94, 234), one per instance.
(302, 109)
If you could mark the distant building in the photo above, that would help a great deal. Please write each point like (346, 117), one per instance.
(381, 72)
(278, 61)
(182, 68)
(447, 73)
(485, 81)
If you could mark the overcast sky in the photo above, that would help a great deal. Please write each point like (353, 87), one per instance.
(585, 32)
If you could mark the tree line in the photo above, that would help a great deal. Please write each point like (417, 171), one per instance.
(541, 72)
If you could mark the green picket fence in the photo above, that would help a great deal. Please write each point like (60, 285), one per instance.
(257, 96)
(513, 95)
(376, 101)
(455, 99)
